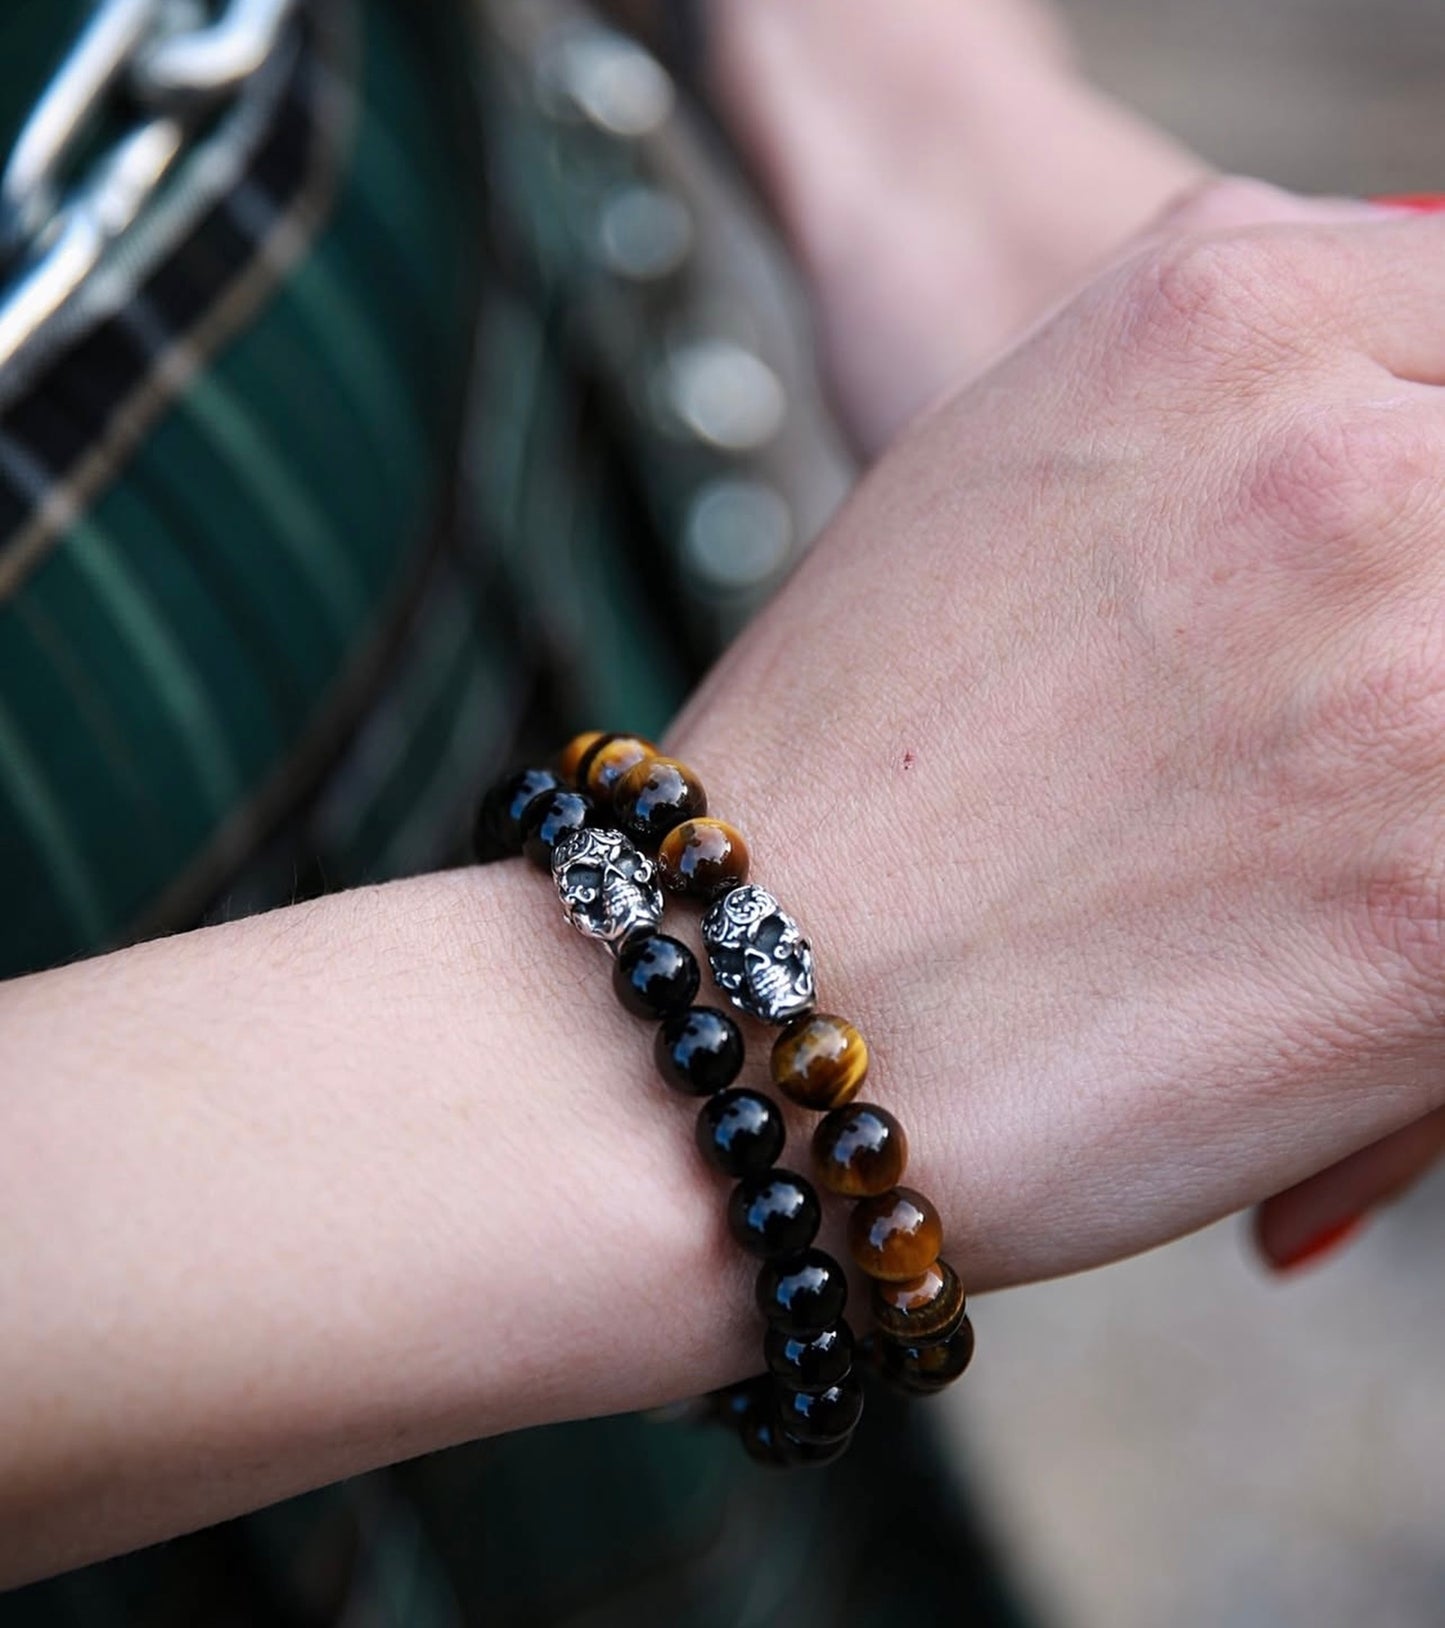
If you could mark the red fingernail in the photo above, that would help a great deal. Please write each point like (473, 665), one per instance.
(1322, 1244)
(1422, 203)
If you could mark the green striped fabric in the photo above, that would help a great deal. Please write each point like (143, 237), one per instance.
(180, 665)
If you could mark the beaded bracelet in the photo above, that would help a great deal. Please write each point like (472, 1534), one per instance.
(804, 1409)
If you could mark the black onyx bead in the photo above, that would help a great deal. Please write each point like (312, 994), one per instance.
(821, 1416)
(655, 975)
(549, 818)
(741, 1133)
(922, 1370)
(758, 1434)
(736, 1403)
(795, 1454)
(497, 833)
(804, 1294)
(774, 1214)
(699, 1050)
(806, 1362)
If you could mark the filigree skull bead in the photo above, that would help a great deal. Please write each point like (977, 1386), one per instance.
(759, 955)
(608, 887)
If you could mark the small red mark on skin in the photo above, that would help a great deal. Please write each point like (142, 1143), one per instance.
(907, 761)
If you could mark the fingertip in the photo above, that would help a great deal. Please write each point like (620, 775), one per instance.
(1284, 1255)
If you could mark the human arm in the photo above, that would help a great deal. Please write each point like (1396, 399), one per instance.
(943, 172)
(1108, 791)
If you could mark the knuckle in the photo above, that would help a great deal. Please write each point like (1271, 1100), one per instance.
(1387, 719)
(1342, 475)
(1397, 920)
(1226, 297)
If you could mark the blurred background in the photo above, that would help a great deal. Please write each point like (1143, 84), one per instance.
(1179, 1440)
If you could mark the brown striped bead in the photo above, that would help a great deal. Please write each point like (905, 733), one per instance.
(703, 858)
(820, 1061)
(859, 1151)
(896, 1235)
(570, 758)
(924, 1370)
(607, 761)
(921, 1310)
(655, 795)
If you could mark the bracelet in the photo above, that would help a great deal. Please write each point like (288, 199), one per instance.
(804, 1409)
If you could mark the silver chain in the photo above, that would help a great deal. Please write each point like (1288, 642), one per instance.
(172, 62)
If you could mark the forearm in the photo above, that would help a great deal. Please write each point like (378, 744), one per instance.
(290, 1198)
(943, 172)
(969, 129)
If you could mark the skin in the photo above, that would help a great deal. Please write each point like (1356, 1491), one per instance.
(1109, 792)
(1135, 717)
(943, 173)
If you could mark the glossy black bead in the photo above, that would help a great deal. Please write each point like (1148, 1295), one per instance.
(803, 1294)
(699, 1050)
(735, 1403)
(550, 817)
(741, 1133)
(497, 833)
(655, 975)
(794, 1454)
(774, 1214)
(821, 1416)
(758, 1434)
(923, 1370)
(809, 1362)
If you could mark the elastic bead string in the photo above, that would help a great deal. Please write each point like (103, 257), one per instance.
(924, 1338)
(803, 1409)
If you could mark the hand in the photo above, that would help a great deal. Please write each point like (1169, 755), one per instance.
(1099, 744)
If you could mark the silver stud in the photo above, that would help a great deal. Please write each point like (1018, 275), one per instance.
(608, 886)
(758, 955)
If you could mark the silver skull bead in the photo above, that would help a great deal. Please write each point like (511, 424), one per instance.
(758, 955)
(607, 885)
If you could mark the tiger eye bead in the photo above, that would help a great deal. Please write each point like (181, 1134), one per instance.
(551, 817)
(741, 1133)
(604, 764)
(803, 1294)
(819, 1061)
(574, 753)
(699, 1050)
(775, 1214)
(896, 1235)
(924, 1370)
(497, 833)
(859, 1151)
(654, 796)
(702, 858)
(821, 1416)
(654, 975)
(809, 1362)
(921, 1310)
